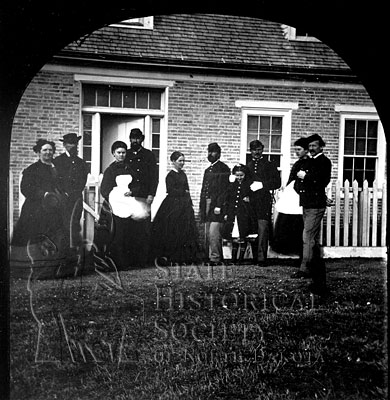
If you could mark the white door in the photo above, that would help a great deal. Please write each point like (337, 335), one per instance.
(114, 127)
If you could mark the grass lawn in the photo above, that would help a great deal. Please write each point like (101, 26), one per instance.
(199, 333)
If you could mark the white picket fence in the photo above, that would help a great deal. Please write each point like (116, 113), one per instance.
(354, 226)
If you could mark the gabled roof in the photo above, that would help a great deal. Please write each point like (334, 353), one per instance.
(215, 41)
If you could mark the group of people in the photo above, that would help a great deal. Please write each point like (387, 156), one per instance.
(234, 204)
(49, 224)
(236, 207)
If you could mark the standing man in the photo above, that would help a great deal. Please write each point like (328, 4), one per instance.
(143, 188)
(72, 176)
(312, 183)
(266, 177)
(214, 188)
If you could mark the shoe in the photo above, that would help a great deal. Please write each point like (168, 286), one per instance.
(300, 275)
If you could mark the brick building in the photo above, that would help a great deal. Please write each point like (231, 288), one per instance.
(188, 80)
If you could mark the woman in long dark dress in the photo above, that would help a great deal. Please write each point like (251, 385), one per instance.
(39, 238)
(288, 227)
(174, 232)
(119, 191)
(239, 216)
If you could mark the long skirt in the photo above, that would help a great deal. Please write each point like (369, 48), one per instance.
(174, 232)
(287, 235)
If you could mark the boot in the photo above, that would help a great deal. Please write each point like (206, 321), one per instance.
(234, 252)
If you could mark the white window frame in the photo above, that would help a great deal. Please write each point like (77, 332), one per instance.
(366, 114)
(269, 108)
(136, 23)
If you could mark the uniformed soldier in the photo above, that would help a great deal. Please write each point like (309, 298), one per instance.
(72, 176)
(212, 198)
(143, 186)
(266, 178)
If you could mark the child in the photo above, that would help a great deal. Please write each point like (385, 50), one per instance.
(238, 216)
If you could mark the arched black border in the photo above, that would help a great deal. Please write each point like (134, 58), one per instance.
(32, 31)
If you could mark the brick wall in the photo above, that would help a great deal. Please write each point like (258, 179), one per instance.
(48, 109)
(199, 113)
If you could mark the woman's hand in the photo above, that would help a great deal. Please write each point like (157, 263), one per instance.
(128, 194)
(246, 199)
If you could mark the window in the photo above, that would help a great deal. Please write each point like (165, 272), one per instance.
(138, 23)
(155, 142)
(267, 129)
(362, 148)
(269, 122)
(122, 97)
(87, 139)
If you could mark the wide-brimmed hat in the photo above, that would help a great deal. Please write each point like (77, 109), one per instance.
(70, 138)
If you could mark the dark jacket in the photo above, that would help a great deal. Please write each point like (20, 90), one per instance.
(36, 217)
(235, 206)
(214, 186)
(300, 165)
(72, 175)
(266, 172)
(145, 169)
(312, 189)
(112, 171)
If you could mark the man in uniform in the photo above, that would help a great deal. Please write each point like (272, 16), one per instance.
(143, 187)
(266, 177)
(213, 194)
(72, 172)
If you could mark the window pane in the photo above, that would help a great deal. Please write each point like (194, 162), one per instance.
(129, 98)
(89, 96)
(372, 129)
(348, 163)
(359, 164)
(87, 138)
(157, 155)
(361, 129)
(142, 99)
(102, 97)
(156, 141)
(349, 128)
(371, 147)
(251, 138)
(87, 122)
(253, 124)
(277, 125)
(276, 143)
(116, 98)
(87, 153)
(349, 146)
(370, 164)
(155, 100)
(265, 140)
(360, 146)
(156, 125)
(265, 125)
